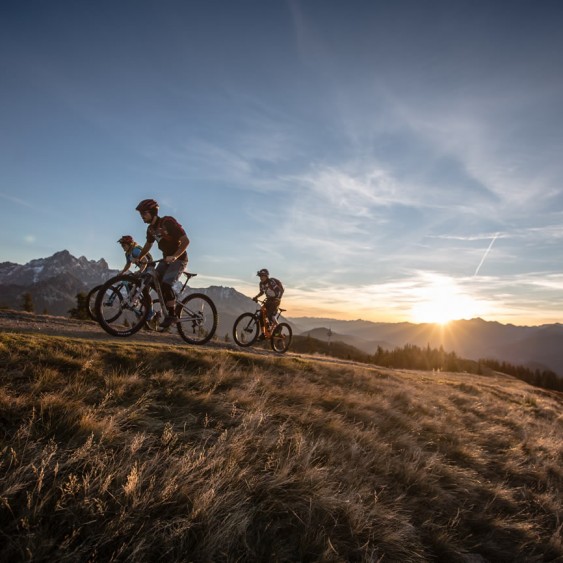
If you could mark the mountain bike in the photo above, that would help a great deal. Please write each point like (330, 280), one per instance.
(124, 303)
(250, 326)
(93, 293)
(153, 318)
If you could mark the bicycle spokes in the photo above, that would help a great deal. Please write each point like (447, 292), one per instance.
(121, 306)
(281, 338)
(197, 319)
(246, 329)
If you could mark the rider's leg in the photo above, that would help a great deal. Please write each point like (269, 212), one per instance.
(168, 277)
(272, 305)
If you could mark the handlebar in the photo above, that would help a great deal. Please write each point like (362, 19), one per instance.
(263, 302)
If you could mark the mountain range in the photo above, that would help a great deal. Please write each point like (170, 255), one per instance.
(54, 282)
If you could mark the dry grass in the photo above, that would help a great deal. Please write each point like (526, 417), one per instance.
(139, 452)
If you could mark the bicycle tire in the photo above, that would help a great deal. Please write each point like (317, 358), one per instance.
(281, 338)
(121, 308)
(91, 301)
(197, 319)
(246, 330)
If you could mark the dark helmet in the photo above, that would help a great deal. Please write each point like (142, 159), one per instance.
(263, 272)
(126, 239)
(147, 205)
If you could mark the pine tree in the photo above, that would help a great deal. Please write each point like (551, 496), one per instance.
(81, 309)
(27, 303)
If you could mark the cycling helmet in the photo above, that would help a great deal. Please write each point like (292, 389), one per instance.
(126, 239)
(147, 205)
(263, 272)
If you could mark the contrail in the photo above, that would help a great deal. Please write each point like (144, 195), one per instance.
(485, 255)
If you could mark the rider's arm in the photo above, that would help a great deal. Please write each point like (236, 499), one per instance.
(125, 268)
(145, 250)
(141, 263)
(182, 245)
(255, 298)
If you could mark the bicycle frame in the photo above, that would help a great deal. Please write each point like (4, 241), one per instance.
(126, 303)
(261, 316)
(150, 280)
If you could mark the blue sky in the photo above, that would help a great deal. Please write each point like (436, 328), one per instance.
(387, 160)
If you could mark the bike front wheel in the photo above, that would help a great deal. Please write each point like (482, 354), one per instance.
(281, 338)
(122, 306)
(246, 330)
(197, 318)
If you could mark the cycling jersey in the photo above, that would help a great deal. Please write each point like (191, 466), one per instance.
(168, 232)
(132, 255)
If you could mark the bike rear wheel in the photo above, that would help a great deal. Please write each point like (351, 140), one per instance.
(246, 330)
(91, 301)
(121, 306)
(281, 338)
(197, 318)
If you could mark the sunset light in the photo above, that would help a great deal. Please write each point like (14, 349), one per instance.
(441, 301)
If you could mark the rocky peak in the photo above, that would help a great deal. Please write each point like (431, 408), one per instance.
(88, 272)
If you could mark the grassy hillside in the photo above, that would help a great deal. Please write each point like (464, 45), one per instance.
(140, 452)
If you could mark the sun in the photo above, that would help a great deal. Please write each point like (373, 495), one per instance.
(440, 301)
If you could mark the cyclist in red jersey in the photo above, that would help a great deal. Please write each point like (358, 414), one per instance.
(172, 241)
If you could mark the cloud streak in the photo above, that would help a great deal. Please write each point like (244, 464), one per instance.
(486, 254)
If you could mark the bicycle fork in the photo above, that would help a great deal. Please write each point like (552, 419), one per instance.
(266, 326)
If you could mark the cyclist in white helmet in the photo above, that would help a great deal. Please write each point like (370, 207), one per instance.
(273, 289)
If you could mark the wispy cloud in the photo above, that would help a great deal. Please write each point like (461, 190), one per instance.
(16, 200)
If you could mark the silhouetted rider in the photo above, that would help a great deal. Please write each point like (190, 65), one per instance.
(172, 241)
(273, 289)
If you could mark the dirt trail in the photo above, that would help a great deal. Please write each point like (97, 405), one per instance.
(21, 321)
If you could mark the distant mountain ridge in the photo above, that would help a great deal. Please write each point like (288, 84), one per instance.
(535, 346)
(54, 282)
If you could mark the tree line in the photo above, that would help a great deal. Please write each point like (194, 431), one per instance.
(426, 358)
(78, 312)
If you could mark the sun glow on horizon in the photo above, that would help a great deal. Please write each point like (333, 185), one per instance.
(441, 301)
(423, 297)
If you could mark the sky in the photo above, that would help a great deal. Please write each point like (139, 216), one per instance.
(395, 161)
